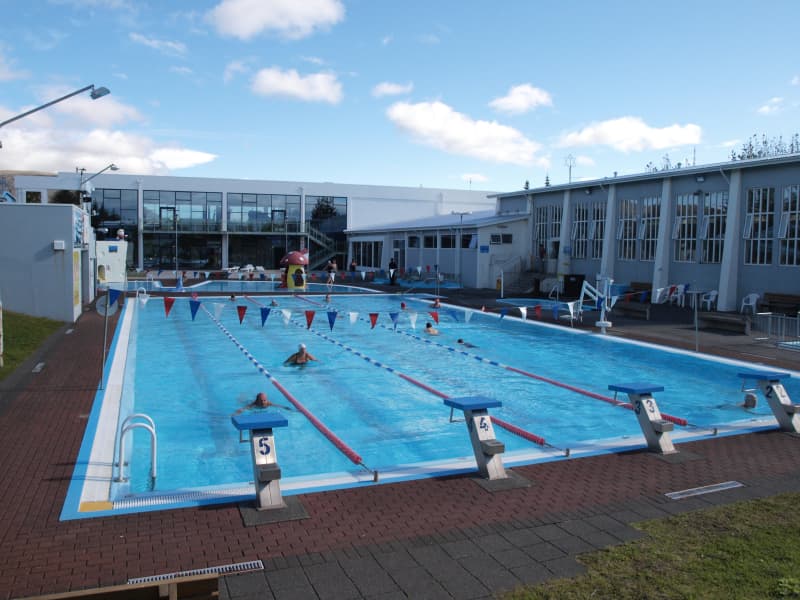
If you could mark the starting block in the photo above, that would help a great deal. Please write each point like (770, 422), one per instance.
(266, 472)
(488, 450)
(769, 382)
(655, 429)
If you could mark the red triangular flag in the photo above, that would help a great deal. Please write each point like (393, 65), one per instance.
(435, 316)
(168, 302)
(310, 318)
(241, 310)
(373, 318)
(538, 310)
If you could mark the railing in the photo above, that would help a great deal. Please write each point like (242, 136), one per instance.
(508, 272)
(129, 425)
(777, 327)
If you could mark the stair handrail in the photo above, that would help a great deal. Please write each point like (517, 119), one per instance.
(129, 425)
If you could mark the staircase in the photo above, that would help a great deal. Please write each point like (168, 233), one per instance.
(326, 248)
(524, 283)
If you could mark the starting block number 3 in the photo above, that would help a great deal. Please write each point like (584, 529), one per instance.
(649, 405)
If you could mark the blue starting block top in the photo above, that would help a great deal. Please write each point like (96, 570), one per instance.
(262, 420)
(762, 375)
(636, 388)
(472, 402)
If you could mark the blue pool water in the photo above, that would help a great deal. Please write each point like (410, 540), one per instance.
(189, 377)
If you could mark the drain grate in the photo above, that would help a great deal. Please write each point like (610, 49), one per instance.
(705, 489)
(145, 501)
(253, 565)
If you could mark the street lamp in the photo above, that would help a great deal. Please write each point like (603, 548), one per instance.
(111, 167)
(96, 92)
(460, 240)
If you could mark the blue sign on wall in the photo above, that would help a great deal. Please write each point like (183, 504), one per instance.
(484, 249)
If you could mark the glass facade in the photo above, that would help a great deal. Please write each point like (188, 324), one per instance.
(276, 213)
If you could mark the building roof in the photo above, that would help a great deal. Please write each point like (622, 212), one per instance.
(480, 218)
(651, 175)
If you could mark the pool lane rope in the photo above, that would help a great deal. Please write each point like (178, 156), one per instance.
(613, 401)
(527, 435)
(323, 429)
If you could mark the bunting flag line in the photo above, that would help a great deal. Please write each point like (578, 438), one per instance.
(537, 310)
(524, 312)
(287, 314)
(435, 316)
(193, 306)
(393, 316)
(309, 317)
(363, 275)
(332, 314)
(391, 273)
(419, 270)
(555, 312)
(467, 316)
(413, 318)
(168, 302)
(112, 296)
(207, 273)
(373, 318)
(241, 310)
(264, 315)
(453, 314)
(353, 315)
(503, 312)
(644, 297)
(571, 307)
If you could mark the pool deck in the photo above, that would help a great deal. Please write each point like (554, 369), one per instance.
(437, 538)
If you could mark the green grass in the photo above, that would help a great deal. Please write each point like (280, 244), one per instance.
(743, 550)
(22, 335)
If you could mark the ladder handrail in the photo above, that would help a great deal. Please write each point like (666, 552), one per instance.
(128, 425)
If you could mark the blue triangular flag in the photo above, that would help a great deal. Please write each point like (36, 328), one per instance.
(393, 316)
(332, 318)
(503, 312)
(112, 296)
(644, 297)
(264, 315)
(194, 305)
(599, 303)
(555, 311)
(453, 314)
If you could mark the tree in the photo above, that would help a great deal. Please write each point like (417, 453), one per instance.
(323, 209)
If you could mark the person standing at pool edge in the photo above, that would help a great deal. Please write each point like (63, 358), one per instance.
(300, 357)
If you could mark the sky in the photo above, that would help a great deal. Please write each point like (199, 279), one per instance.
(461, 94)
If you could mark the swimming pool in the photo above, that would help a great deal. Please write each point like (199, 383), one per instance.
(378, 385)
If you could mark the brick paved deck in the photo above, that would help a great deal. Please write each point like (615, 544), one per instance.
(438, 538)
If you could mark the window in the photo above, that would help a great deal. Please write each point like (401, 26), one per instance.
(368, 254)
(429, 241)
(648, 230)
(789, 230)
(495, 239)
(540, 225)
(506, 238)
(448, 240)
(33, 197)
(759, 222)
(413, 241)
(712, 227)
(580, 231)
(597, 229)
(626, 230)
(555, 222)
(684, 230)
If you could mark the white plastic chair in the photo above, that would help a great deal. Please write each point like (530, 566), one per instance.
(708, 299)
(751, 301)
(678, 296)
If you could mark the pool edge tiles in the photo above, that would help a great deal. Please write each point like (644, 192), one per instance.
(90, 485)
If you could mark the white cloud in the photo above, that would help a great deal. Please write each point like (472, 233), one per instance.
(386, 40)
(181, 70)
(521, 99)
(103, 112)
(164, 46)
(7, 72)
(387, 88)
(436, 124)
(317, 87)
(245, 19)
(795, 80)
(476, 177)
(628, 134)
(772, 106)
(60, 149)
(729, 143)
(429, 38)
(314, 60)
(234, 68)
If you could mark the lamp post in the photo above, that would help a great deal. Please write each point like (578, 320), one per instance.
(460, 236)
(111, 167)
(96, 92)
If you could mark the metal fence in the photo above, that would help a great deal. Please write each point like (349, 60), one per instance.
(777, 327)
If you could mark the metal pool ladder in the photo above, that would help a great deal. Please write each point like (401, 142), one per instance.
(128, 425)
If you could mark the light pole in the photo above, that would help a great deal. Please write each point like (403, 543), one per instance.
(96, 92)
(111, 167)
(460, 240)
